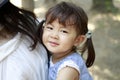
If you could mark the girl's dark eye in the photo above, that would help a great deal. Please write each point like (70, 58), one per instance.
(64, 31)
(48, 28)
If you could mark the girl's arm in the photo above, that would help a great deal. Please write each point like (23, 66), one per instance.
(68, 73)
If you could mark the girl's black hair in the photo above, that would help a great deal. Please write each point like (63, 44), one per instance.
(70, 14)
(17, 20)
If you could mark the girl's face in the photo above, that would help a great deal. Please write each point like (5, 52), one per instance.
(58, 39)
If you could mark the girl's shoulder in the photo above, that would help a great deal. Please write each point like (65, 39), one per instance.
(76, 61)
(73, 60)
(76, 57)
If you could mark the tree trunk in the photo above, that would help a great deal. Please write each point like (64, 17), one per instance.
(103, 5)
(28, 4)
(47, 1)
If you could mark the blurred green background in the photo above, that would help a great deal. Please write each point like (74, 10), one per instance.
(104, 22)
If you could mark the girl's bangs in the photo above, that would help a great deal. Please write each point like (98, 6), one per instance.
(64, 19)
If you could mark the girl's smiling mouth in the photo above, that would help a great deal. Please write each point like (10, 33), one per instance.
(53, 44)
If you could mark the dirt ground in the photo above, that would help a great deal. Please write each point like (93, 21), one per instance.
(106, 39)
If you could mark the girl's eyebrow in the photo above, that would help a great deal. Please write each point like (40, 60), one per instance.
(60, 25)
(50, 25)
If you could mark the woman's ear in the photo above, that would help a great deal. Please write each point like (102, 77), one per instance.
(79, 40)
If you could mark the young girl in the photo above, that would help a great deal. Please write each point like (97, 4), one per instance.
(65, 31)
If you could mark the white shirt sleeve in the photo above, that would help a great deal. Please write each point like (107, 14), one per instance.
(69, 63)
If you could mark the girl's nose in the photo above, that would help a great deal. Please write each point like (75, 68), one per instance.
(55, 34)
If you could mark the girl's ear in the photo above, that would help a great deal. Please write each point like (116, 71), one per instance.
(79, 40)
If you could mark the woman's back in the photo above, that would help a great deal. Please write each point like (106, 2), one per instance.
(18, 62)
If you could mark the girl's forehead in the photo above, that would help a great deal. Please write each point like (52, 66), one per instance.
(65, 23)
(62, 19)
(62, 25)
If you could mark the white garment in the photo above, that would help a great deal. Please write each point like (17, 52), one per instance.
(18, 62)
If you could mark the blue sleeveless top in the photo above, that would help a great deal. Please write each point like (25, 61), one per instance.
(73, 60)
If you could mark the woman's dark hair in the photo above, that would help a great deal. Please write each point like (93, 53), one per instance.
(17, 20)
(70, 14)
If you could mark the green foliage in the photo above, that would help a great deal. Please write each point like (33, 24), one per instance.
(104, 6)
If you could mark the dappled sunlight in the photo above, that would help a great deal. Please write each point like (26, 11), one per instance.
(107, 72)
(17, 3)
(40, 10)
(106, 40)
(91, 27)
(97, 72)
(114, 41)
(94, 17)
(116, 17)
